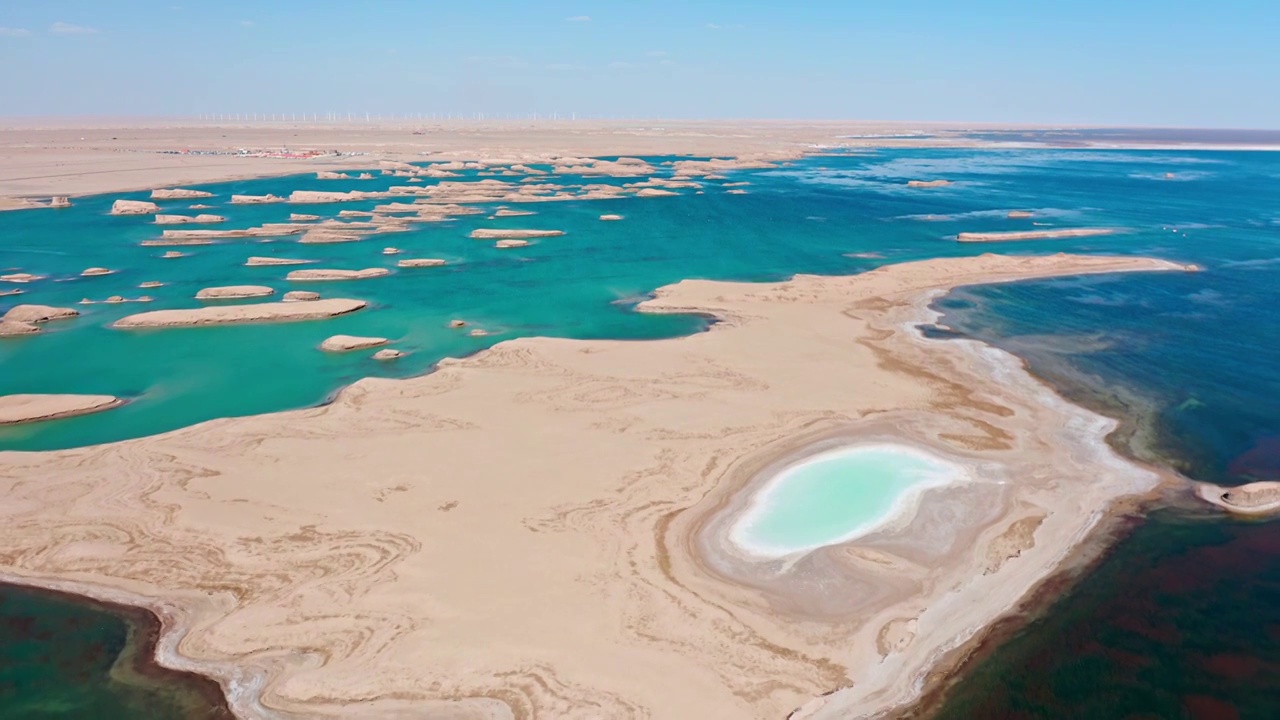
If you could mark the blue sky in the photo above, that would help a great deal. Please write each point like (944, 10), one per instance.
(1133, 62)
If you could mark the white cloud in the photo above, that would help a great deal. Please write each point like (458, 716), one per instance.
(579, 18)
(62, 28)
(14, 32)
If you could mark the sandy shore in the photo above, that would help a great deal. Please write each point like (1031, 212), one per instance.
(538, 530)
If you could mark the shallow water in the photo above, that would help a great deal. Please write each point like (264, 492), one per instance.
(836, 496)
(64, 658)
(1190, 362)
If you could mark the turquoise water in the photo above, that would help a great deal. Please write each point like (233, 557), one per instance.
(835, 496)
(1189, 362)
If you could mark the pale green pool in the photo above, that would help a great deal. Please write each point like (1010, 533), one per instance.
(836, 496)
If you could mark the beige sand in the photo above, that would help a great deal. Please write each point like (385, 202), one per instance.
(16, 409)
(301, 296)
(133, 207)
(201, 219)
(420, 262)
(1033, 234)
(234, 314)
(507, 244)
(488, 234)
(17, 328)
(539, 530)
(231, 292)
(507, 212)
(388, 354)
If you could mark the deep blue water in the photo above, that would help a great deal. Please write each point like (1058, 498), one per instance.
(1189, 362)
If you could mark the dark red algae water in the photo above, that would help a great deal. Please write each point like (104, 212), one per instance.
(1151, 632)
(67, 656)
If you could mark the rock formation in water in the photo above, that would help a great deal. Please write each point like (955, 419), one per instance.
(38, 313)
(506, 244)
(327, 175)
(237, 314)
(655, 192)
(95, 271)
(20, 277)
(1256, 498)
(347, 343)
(178, 194)
(231, 292)
(302, 217)
(329, 274)
(928, 183)
(455, 324)
(1019, 214)
(255, 199)
(388, 354)
(308, 197)
(14, 328)
(150, 284)
(170, 254)
(1032, 234)
(506, 212)
(420, 262)
(494, 234)
(390, 251)
(257, 261)
(133, 207)
(60, 201)
(610, 217)
(301, 296)
(188, 219)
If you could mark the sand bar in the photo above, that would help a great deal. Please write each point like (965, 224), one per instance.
(233, 314)
(258, 261)
(1033, 234)
(39, 313)
(1256, 498)
(352, 561)
(26, 408)
(347, 343)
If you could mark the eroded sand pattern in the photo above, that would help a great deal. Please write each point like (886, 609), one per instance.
(384, 555)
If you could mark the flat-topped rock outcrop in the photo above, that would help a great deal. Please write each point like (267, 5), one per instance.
(20, 277)
(420, 262)
(178, 194)
(928, 183)
(329, 175)
(301, 296)
(331, 274)
(24, 408)
(255, 199)
(347, 343)
(306, 197)
(612, 218)
(133, 207)
(95, 271)
(38, 313)
(388, 354)
(496, 234)
(1033, 234)
(507, 212)
(506, 244)
(232, 292)
(237, 314)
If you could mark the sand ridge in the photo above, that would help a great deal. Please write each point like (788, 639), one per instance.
(384, 554)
